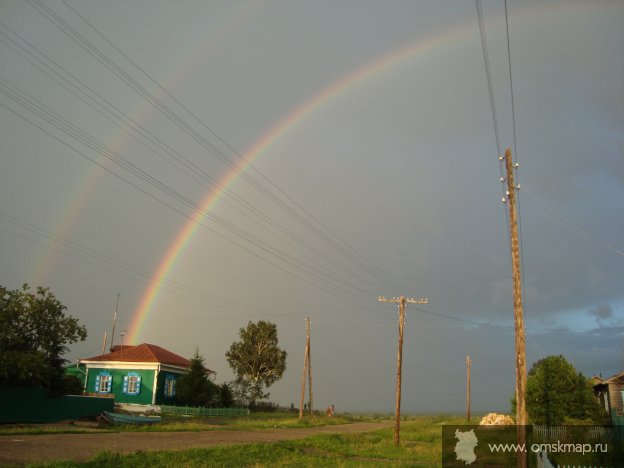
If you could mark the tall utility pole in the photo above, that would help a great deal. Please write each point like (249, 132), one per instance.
(468, 364)
(310, 399)
(306, 370)
(401, 301)
(521, 417)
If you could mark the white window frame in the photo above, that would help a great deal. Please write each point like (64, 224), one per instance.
(133, 384)
(104, 383)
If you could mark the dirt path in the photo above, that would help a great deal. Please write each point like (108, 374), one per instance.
(22, 449)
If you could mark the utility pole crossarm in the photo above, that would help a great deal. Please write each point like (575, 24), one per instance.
(408, 300)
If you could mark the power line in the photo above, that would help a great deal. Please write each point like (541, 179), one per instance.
(495, 122)
(515, 146)
(258, 216)
(62, 125)
(488, 75)
(335, 293)
(513, 107)
(340, 246)
(554, 214)
(81, 252)
(370, 265)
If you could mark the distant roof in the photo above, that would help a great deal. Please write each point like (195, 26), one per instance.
(142, 353)
(613, 379)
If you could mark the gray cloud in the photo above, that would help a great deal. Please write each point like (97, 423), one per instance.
(601, 313)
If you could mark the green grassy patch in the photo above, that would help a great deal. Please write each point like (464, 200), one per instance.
(285, 423)
(420, 446)
(47, 429)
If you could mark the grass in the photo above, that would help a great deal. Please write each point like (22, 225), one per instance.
(37, 429)
(284, 421)
(420, 446)
(246, 423)
(171, 423)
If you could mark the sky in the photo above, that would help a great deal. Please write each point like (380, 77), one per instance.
(215, 163)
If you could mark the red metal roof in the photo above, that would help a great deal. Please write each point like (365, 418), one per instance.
(142, 353)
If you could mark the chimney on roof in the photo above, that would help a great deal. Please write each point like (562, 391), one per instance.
(114, 348)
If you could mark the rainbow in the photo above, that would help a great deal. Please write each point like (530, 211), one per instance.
(173, 253)
(231, 21)
(421, 49)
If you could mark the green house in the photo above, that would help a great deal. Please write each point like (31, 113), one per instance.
(145, 374)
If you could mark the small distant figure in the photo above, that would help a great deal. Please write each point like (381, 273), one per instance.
(330, 411)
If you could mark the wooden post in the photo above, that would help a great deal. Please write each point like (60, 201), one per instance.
(397, 411)
(521, 417)
(468, 363)
(305, 368)
(397, 406)
(311, 399)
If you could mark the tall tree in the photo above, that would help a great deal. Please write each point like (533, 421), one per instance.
(34, 334)
(556, 393)
(256, 360)
(195, 388)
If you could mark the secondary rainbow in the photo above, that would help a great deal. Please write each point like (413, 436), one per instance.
(232, 20)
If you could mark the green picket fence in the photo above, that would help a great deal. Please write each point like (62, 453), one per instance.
(200, 411)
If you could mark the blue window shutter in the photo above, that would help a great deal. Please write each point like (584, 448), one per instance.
(97, 383)
(109, 384)
(125, 384)
(138, 386)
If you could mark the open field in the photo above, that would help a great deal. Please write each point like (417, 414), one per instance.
(355, 444)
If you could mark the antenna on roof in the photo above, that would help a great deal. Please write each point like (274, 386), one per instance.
(104, 343)
(114, 322)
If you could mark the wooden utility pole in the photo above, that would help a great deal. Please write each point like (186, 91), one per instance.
(401, 301)
(468, 364)
(311, 399)
(306, 370)
(521, 417)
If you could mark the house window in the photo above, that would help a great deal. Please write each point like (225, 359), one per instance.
(170, 386)
(103, 382)
(132, 384)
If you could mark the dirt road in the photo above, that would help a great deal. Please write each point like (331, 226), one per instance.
(22, 449)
